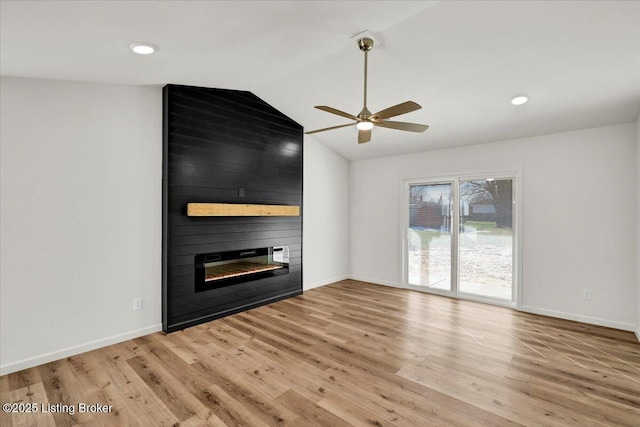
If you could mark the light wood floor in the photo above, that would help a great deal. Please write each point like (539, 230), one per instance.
(350, 354)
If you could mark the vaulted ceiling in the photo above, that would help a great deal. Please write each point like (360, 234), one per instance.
(579, 62)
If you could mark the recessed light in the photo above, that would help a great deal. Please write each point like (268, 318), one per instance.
(142, 49)
(519, 100)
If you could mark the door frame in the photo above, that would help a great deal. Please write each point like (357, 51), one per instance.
(516, 174)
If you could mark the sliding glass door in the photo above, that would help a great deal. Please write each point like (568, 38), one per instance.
(460, 238)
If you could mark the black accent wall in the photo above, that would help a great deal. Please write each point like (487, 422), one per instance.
(225, 146)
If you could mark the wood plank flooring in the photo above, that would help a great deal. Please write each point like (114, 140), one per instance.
(349, 354)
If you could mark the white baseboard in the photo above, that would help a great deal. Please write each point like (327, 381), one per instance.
(76, 349)
(637, 332)
(324, 282)
(580, 318)
(375, 281)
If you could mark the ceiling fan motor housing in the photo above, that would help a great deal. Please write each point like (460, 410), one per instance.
(364, 114)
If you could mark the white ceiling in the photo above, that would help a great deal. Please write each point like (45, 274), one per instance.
(462, 61)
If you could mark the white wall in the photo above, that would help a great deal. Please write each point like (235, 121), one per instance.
(638, 222)
(326, 215)
(579, 211)
(80, 218)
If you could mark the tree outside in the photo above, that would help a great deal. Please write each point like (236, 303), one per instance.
(498, 193)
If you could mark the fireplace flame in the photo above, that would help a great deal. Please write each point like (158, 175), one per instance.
(236, 269)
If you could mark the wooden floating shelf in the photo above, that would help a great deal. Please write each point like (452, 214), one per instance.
(229, 209)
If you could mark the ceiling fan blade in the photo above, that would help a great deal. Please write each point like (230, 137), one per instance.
(331, 128)
(364, 136)
(396, 110)
(411, 127)
(334, 111)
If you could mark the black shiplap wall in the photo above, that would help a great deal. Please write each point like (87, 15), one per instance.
(215, 142)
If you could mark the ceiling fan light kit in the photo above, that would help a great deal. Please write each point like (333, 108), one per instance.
(365, 120)
(365, 125)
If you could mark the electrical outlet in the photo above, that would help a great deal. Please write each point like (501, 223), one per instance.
(137, 304)
(586, 295)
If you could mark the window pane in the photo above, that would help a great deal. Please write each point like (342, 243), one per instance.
(429, 236)
(486, 238)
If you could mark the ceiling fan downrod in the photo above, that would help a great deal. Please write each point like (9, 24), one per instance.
(365, 44)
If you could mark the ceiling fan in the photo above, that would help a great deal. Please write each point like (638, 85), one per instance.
(365, 121)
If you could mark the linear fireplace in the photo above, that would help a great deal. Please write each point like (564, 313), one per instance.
(227, 268)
